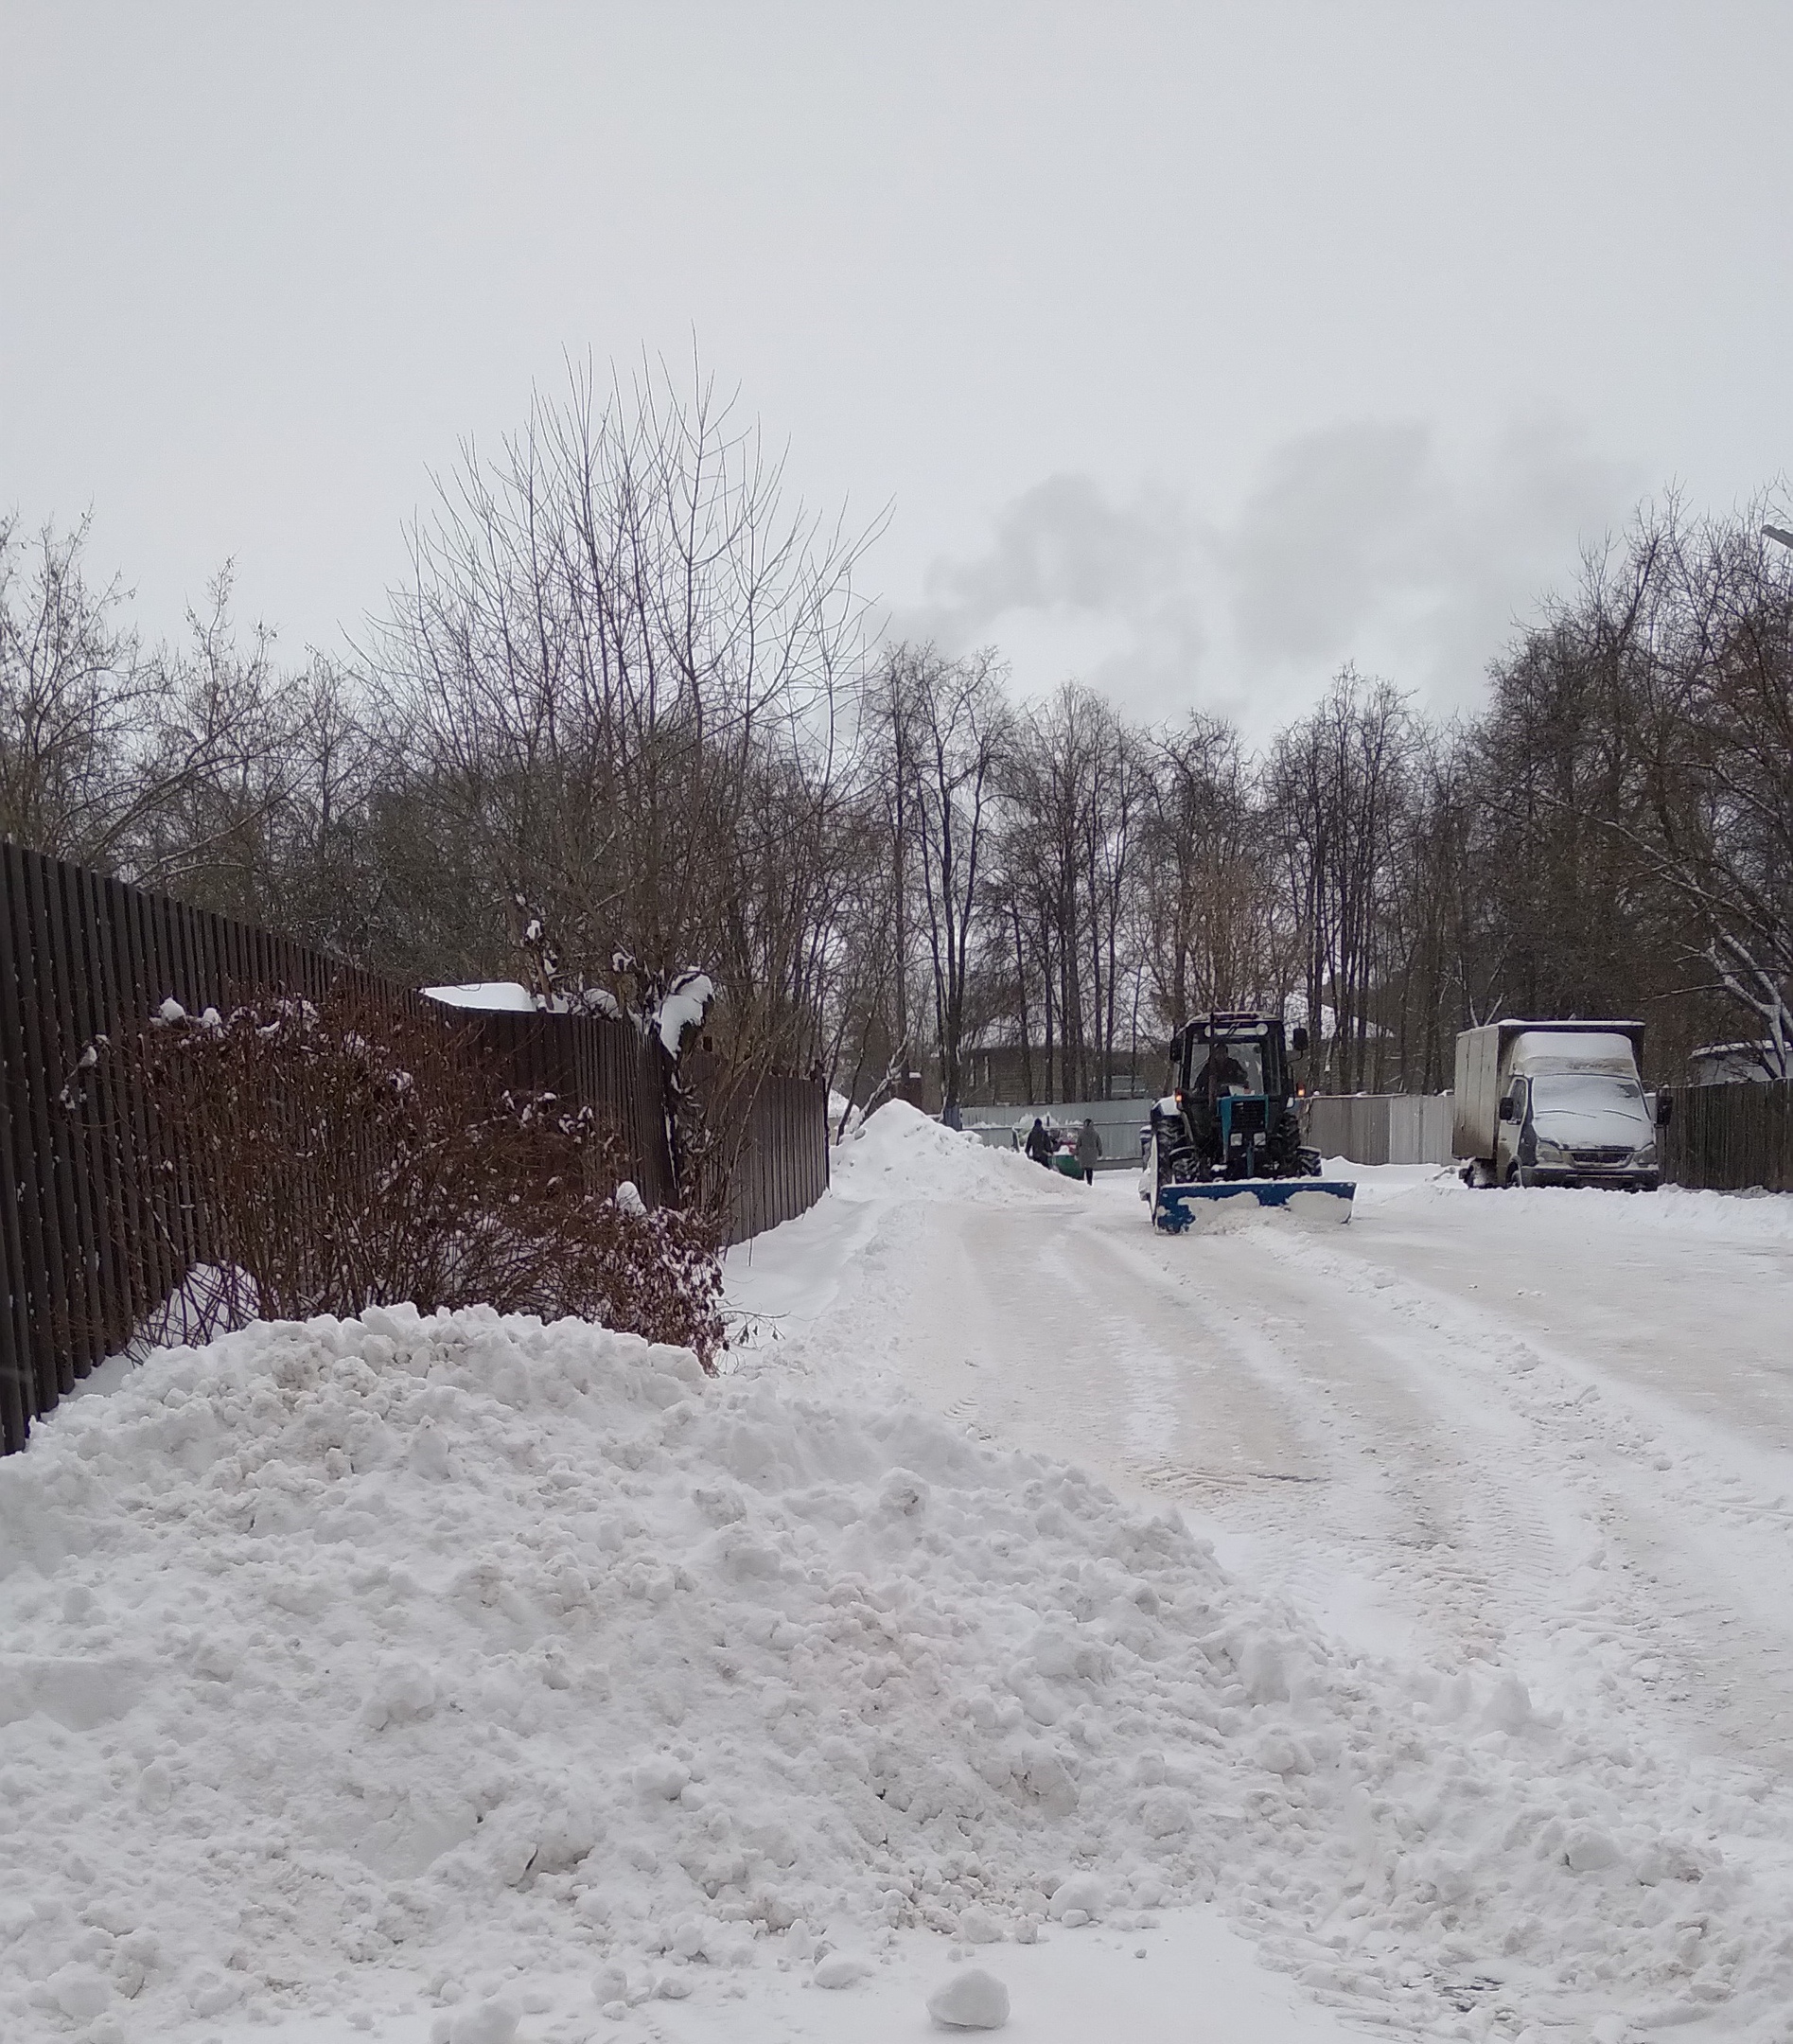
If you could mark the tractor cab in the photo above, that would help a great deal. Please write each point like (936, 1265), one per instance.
(1229, 1078)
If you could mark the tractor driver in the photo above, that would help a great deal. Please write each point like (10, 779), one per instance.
(1220, 1075)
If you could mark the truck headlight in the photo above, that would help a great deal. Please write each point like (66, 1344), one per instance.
(1549, 1152)
(1646, 1157)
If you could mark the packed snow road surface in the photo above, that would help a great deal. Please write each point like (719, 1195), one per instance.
(1542, 1439)
(1551, 1429)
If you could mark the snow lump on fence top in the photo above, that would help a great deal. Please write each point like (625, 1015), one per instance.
(687, 1000)
(459, 1645)
(489, 997)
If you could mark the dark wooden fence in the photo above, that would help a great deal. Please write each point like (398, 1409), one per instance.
(1731, 1137)
(94, 1237)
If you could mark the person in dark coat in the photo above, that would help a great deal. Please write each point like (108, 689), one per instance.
(1039, 1144)
(1219, 1076)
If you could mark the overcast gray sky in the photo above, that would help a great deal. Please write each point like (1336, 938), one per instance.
(1195, 348)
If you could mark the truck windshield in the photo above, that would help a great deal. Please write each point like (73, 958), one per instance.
(1236, 1066)
(1580, 1103)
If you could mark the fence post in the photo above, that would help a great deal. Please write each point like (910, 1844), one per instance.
(18, 1364)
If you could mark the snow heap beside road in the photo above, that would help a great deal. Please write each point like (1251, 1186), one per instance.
(904, 1152)
(470, 1654)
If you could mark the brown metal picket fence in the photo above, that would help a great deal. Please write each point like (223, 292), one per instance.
(94, 1237)
(781, 1169)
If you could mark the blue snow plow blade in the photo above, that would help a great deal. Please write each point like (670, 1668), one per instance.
(1308, 1199)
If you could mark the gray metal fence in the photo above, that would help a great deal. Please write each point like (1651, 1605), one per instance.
(1367, 1128)
(1379, 1128)
(1723, 1137)
(1118, 1123)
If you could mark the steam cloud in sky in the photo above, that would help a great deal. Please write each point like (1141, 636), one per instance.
(1372, 542)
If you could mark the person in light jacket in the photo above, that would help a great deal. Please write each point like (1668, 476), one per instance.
(1089, 1147)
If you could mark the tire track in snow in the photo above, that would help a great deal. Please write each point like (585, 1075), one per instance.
(1677, 1571)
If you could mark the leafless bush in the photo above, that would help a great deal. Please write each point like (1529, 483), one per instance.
(324, 1161)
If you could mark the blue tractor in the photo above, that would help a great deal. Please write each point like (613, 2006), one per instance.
(1227, 1130)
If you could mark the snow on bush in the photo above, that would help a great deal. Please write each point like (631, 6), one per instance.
(464, 1642)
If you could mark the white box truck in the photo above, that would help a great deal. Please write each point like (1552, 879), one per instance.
(1556, 1103)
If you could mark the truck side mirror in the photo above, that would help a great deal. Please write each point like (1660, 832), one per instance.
(1509, 1108)
(1664, 1109)
(1298, 1041)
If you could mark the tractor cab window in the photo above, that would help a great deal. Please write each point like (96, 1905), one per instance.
(1233, 1065)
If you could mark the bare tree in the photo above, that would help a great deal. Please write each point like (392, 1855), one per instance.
(946, 726)
(73, 693)
(1335, 782)
(617, 673)
(1214, 930)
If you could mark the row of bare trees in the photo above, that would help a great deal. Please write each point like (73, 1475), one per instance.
(623, 721)
(1053, 888)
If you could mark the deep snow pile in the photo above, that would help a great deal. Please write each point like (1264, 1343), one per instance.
(467, 1645)
(899, 1148)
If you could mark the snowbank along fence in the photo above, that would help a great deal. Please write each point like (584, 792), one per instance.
(94, 1237)
(1730, 1139)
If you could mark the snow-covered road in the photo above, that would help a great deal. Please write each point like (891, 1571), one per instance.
(1534, 1436)
(455, 1679)
(1552, 1430)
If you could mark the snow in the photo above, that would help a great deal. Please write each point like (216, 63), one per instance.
(972, 1999)
(683, 1008)
(1529, 1448)
(1032, 1595)
(902, 1153)
(493, 996)
(397, 1656)
(1573, 1051)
